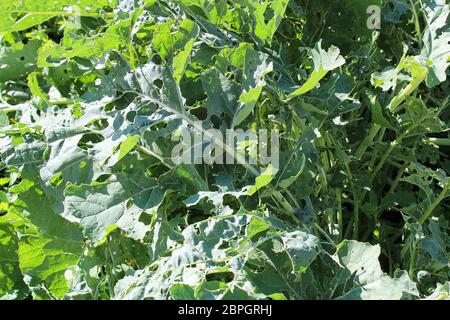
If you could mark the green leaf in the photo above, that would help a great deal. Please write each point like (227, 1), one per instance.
(11, 278)
(120, 201)
(127, 145)
(262, 180)
(253, 66)
(18, 60)
(378, 115)
(84, 47)
(180, 61)
(37, 13)
(324, 62)
(302, 248)
(291, 172)
(4, 120)
(223, 93)
(49, 254)
(170, 43)
(94, 96)
(264, 28)
(49, 264)
(436, 245)
(435, 53)
(360, 260)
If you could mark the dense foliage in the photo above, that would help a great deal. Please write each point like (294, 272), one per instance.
(93, 207)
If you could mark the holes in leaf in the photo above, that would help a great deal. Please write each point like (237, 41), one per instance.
(56, 179)
(156, 59)
(102, 272)
(415, 46)
(197, 231)
(193, 91)
(55, 36)
(158, 83)
(224, 245)
(255, 268)
(130, 116)
(392, 217)
(88, 140)
(220, 276)
(216, 121)
(268, 15)
(200, 113)
(101, 123)
(133, 264)
(154, 268)
(129, 204)
(231, 73)
(145, 218)
(103, 178)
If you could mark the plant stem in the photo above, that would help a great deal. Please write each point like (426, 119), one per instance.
(367, 140)
(415, 82)
(384, 158)
(416, 22)
(412, 260)
(397, 180)
(291, 196)
(153, 154)
(284, 203)
(321, 231)
(356, 221)
(439, 141)
(444, 194)
(339, 212)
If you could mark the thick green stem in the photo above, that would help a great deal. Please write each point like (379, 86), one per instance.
(412, 260)
(444, 194)
(326, 236)
(384, 158)
(339, 213)
(415, 82)
(397, 180)
(439, 141)
(416, 22)
(393, 106)
(356, 221)
(284, 203)
(291, 196)
(367, 141)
